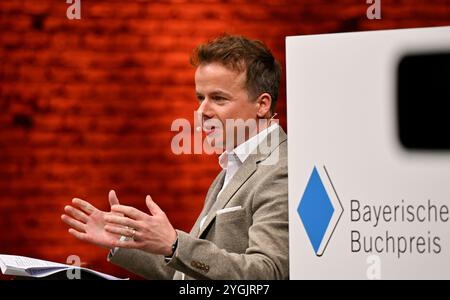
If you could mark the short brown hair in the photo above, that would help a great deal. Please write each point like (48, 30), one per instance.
(241, 54)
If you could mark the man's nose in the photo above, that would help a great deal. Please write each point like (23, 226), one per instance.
(204, 109)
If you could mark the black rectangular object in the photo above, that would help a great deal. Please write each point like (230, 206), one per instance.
(423, 95)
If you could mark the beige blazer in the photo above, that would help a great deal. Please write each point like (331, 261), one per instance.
(250, 242)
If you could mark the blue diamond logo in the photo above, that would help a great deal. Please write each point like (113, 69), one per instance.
(315, 210)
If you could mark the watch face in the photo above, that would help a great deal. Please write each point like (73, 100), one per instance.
(423, 100)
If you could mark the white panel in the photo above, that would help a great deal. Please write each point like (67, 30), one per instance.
(341, 114)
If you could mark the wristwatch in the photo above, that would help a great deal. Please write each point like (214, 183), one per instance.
(174, 248)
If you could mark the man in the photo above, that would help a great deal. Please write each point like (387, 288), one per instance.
(242, 231)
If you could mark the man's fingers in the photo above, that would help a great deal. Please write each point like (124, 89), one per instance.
(79, 235)
(152, 206)
(128, 211)
(128, 243)
(118, 220)
(84, 206)
(113, 200)
(76, 213)
(120, 230)
(73, 223)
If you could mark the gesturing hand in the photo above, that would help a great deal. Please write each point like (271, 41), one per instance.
(88, 223)
(152, 233)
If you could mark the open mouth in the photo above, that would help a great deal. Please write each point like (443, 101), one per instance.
(211, 126)
(209, 130)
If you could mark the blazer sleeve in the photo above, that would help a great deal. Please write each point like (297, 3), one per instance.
(149, 266)
(267, 255)
(265, 258)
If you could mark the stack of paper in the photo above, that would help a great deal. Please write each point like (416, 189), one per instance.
(31, 267)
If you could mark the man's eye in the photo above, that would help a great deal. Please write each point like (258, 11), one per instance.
(200, 98)
(219, 98)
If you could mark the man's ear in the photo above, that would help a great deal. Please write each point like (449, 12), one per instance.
(264, 103)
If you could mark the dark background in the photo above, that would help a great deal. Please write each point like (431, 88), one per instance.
(86, 105)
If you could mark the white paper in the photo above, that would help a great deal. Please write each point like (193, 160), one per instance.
(31, 267)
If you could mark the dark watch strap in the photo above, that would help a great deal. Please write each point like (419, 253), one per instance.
(174, 248)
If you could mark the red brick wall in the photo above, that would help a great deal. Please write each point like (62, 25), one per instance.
(86, 106)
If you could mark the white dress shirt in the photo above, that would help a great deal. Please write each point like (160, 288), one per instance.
(232, 160)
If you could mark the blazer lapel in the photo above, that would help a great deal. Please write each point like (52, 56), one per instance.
(215, 202)
(211, 197)
(241, 176)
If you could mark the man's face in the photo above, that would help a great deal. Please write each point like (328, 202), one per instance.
(222, 95)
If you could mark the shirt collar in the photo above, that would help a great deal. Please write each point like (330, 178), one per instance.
(243, 151)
